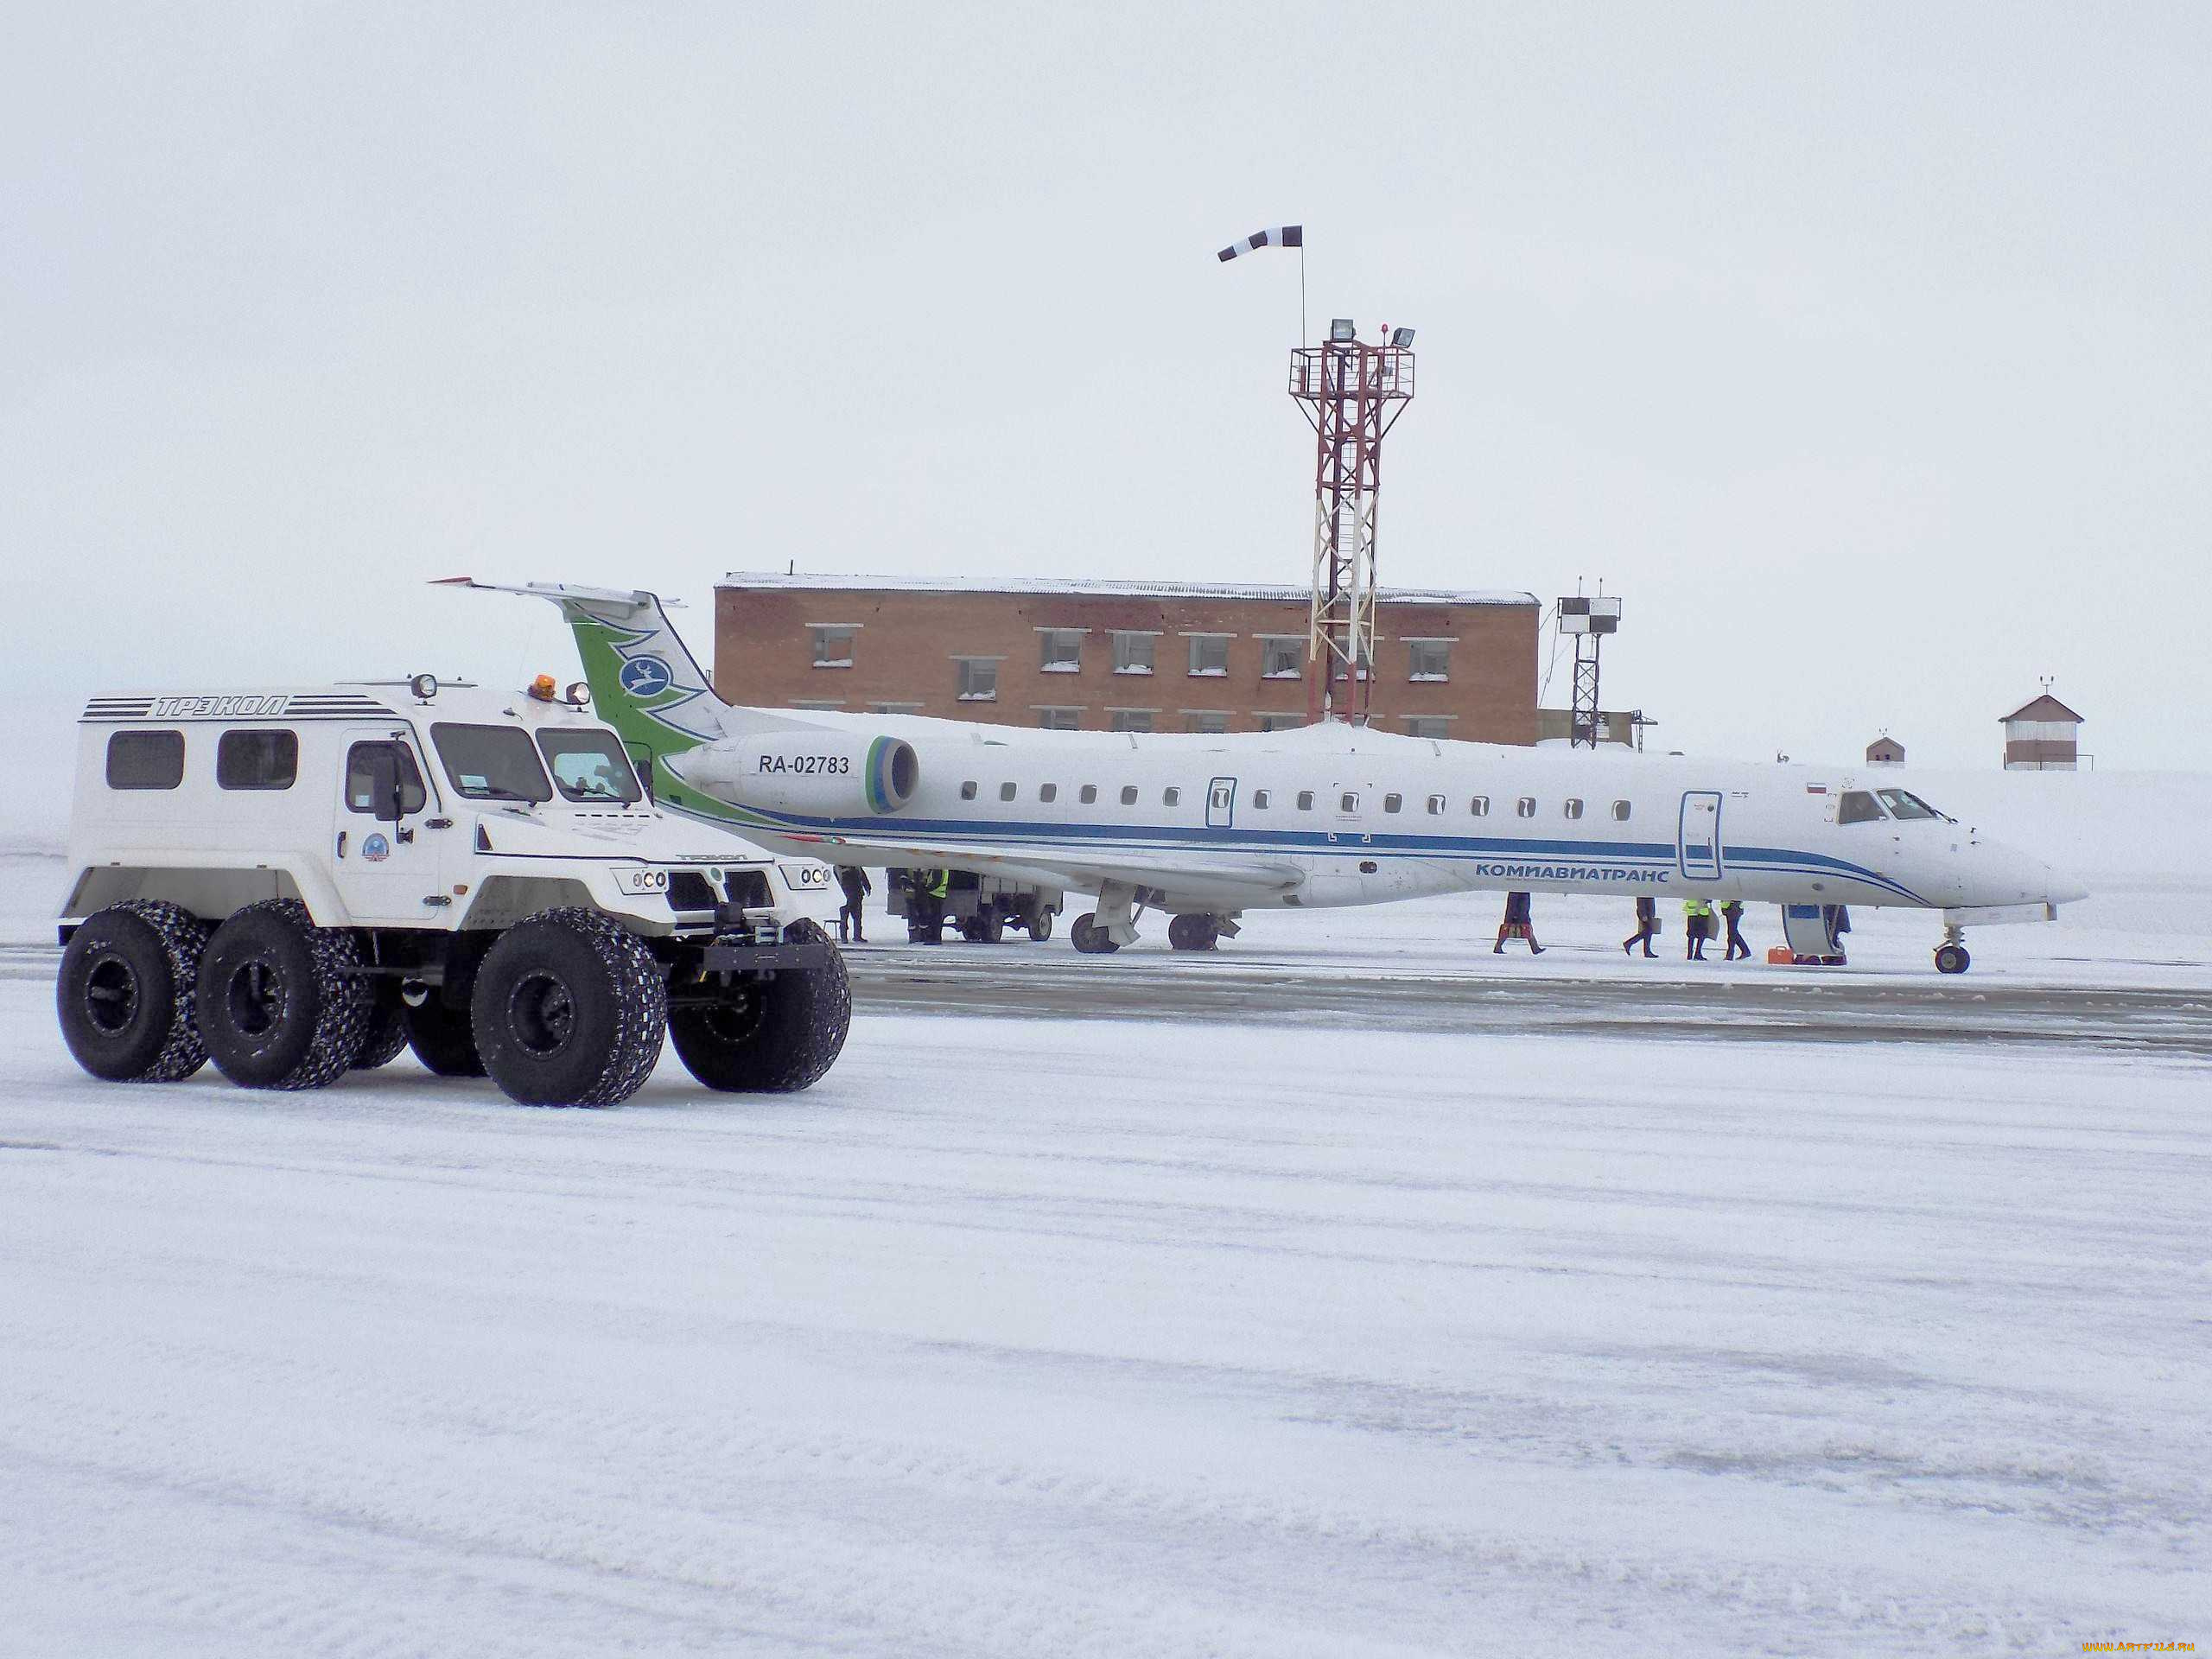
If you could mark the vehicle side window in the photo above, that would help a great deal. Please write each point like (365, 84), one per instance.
(1435, 806)
(1574, 807)
(1306, 800)
(1089, 793)
(1129, 794)
(1048, 791)
(1857, 806)
(1348, 802)
(967, 790)
(1526, 806)
(145, 760)
(1393, 803)
(361, 785)
(1006, 792)
(256, 760)
(1480, 807)
(1170, 797)
(1620, 811)
(1259, 799)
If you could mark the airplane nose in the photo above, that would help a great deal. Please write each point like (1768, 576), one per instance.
(2060, 889)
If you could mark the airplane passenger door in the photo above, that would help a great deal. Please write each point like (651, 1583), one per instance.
(1221, 803)
(1698, 850)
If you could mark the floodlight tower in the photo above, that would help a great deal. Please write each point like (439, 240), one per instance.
(1352, 393)
(1589, 620)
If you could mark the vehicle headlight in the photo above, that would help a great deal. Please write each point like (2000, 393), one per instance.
(805, 878)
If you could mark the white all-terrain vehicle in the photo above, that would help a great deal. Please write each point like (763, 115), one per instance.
(293, 883)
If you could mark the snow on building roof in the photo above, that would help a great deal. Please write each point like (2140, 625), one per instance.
(811, 581)
(2045, 707)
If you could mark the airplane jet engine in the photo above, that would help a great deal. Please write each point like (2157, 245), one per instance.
(820, 772)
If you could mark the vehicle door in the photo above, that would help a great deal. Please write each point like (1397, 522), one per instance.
(1221, 803)
(383, 867)
(1698, 840)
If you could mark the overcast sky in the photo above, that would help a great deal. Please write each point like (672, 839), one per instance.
(1865, 351)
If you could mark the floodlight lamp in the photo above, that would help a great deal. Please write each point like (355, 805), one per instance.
(1341, 331)
(1402, 339)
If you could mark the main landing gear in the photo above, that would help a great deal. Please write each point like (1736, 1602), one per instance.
(1951, 955)
(1113, 924)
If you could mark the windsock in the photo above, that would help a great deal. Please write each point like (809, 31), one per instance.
(1281, 236)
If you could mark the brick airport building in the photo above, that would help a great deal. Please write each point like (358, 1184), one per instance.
(1116, 656)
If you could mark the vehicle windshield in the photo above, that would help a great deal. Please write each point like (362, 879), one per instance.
(589, 765)
(1907, 805)
(1857, 806)
(491, 763)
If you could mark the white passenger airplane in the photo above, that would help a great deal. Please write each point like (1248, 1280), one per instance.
(1207, 827)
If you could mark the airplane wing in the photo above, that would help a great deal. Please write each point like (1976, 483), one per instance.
(1255, 878)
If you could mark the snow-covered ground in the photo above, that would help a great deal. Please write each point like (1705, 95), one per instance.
(1017, 1338)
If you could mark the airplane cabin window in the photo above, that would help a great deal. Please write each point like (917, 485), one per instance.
(1526, 806)
(1573, 806)
(1904, 803)
(1006, 792)
(1435, 806)
(1089, 793)
(1857, 806)
(1348, 802)
(1392, 802)
(1306, 800)
(1259, 800)
(1480, 807)
(1620, 811)
(968, 791)
(1048, 791)
(1129, 794)
(1169, 797)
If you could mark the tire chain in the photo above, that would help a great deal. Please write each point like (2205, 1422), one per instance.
(640, 1003)
(183, 938)
(824, 1038)
(348, 1002)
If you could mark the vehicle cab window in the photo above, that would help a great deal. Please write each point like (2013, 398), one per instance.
(360, 781)
(491, 763)
(589, 765)
(1857, 806)
(145, 760)
(256, 760)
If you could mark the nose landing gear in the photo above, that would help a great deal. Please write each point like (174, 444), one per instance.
(1951, 957)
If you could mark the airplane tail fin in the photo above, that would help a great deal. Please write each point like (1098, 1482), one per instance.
(644, 682)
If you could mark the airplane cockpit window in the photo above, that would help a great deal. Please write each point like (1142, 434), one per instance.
(1857, 806)
(1904, 803)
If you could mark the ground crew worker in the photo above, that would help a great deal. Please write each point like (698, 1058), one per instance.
(1697, 927)
(856, 885)
(1516, 925)
(936, 888)
(1731, 912)
(1647, 927)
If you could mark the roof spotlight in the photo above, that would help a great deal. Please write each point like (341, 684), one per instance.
(425, 686)
(1341, 330)
(1402, 338)
(578, 694)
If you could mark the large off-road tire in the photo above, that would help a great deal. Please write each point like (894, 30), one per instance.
(443, 1041)
(125, 994)
(570, 1009)
(279, 1006)
(387, 1032)
(773, 1036)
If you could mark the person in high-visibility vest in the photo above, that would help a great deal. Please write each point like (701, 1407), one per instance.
(1697, 927)
(936, 887)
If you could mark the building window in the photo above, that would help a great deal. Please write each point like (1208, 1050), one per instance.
(1210, 722)
(1088, 794)
(1282, 656)
(979, 678)
(145, 759)
(1059, 719)
(1062, 650)
(833, 644)
(1048, 791)
(1259, 800)
(1170, 797)
(1574, 807)
(1480, 806)
(894, 708)
(1620, 811)
(1133, 654)
(1392, 802)
(1436, 806)
(1526, 806)
(1006, 792)
(1432, 726)
(1129, 719)
(1129, 794)
(1209, 654)
(1280, 722)
(817, 702)
(1306, 800)
(258, 761)
(1428, 659)
(967, 790)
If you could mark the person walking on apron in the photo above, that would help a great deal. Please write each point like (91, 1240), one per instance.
(856, 887)
(1516, 925)
(1732, 913)
(1697, 928)
(1647, 927)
